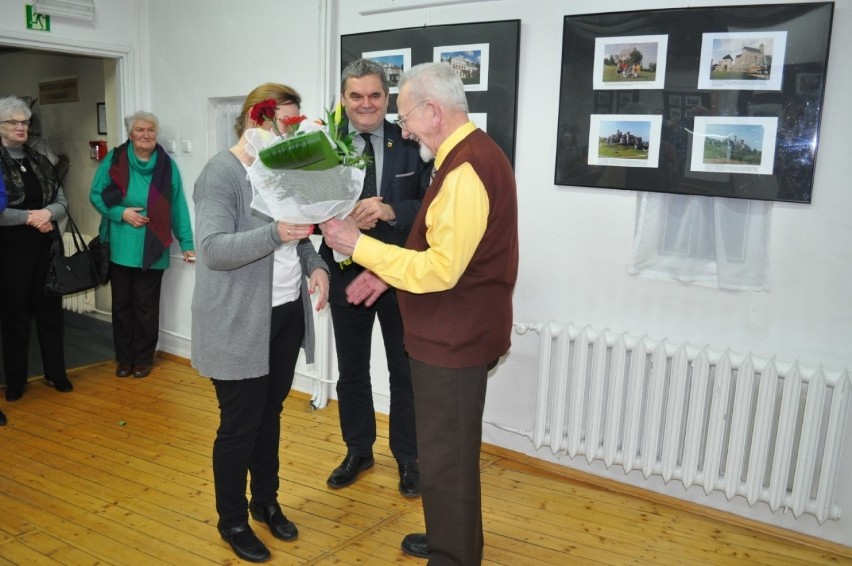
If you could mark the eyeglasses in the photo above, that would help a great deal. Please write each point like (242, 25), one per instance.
(403, 119)
(16, 123)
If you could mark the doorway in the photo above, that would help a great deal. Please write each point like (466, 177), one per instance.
(68, 127)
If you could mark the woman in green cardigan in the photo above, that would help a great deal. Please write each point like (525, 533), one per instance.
(138, 191)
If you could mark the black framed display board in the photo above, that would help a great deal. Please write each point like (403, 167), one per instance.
(721, 101)
(485, 56)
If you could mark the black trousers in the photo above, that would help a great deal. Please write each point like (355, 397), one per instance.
(250, 422)
(24, 257)
(449, 404)
(135, 313)
(353, 332)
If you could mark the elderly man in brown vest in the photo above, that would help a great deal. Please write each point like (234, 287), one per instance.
(455, 278)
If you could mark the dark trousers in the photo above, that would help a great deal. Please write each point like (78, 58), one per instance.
(250, 425)
(449, 405)
(24, 257)
(353, 333)
(135, 313)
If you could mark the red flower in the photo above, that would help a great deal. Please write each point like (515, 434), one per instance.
(291, 121)
(263, 111)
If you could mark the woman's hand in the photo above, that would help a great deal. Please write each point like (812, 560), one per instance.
(40, 220)
(189, 256)
(131, 216)
(319, 281)
(294, 232)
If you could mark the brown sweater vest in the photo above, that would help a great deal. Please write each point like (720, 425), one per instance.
(470, 324)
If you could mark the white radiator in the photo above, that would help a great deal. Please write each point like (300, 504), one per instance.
(759, 428)
(85, 300)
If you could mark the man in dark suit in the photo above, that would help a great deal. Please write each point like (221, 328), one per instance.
(389, 203)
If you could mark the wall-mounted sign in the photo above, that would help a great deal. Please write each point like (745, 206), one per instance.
(39, 22)
(52, 92)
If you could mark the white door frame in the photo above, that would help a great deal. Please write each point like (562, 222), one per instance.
(127, 65)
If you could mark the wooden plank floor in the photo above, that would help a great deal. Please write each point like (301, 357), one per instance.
(118, 472)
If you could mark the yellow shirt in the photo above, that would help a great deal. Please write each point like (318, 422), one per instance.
(455, 223)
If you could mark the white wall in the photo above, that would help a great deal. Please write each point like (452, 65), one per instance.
(204, 49)
(575, 242)
(576, 245)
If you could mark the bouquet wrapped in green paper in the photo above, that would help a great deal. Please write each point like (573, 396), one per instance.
(306, 174)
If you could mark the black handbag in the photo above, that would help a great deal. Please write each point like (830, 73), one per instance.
(100, 254)
(69, 274)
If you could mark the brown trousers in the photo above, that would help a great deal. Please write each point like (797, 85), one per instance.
(448, 406)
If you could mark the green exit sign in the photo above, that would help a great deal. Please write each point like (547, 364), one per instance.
(39, 22)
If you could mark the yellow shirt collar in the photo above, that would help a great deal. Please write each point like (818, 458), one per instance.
(452, 141)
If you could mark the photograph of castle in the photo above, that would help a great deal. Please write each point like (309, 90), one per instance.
(470, 63)
(730, 144)
(625, 140)
(735, 61)
(634, 62)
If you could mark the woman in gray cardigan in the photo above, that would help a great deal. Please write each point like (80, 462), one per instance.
(251, 312)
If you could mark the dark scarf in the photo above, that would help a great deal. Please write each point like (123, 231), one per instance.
(14, 181)
(158, 231)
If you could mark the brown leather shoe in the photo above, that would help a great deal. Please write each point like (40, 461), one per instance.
(142, 371)
(123, 370)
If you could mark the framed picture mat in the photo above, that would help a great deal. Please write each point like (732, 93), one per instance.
(491, 92)
(703, 52)
(102, 121)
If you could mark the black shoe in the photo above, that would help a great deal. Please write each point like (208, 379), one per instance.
(245, 543)
(123, 370)
(3, 420)
(275, 519)
(347, 472)
(61, 385)
(415, 544)
(142, 371)
(14, 393)
(409, 479)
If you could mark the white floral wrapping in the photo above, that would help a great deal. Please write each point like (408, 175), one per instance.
(300, 197)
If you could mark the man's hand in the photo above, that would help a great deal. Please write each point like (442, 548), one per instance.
(341, 235)
(365, 288)
(369, 211)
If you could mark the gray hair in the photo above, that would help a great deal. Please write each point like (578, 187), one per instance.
(142, 116)
(11, 105)
(361, 68)
(437, 82)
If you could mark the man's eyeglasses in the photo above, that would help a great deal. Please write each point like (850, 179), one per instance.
(403, 119)
(16, 123)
